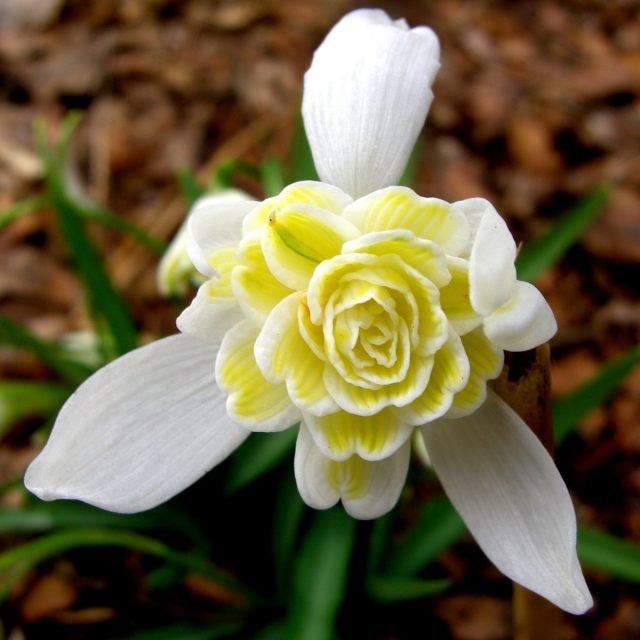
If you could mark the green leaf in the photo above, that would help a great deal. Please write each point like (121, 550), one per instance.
(272, 177)
(189, 186)
(302, 165)
(543, 252)
(438, 526)
(224, 177)
(320, 576)
(411, 170)
(387, 589)
(604, 552)
(257, 455)
(16, 561)
(569, 410)
(20, 400)
(287, 519)
(187, 632)
(14, 335)
(104, 301)
(108, 219)
(21, 209)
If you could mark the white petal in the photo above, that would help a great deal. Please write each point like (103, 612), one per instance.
(209, 320)
(311, 469)
(138, 431)
(523, 322)
(366, 96)
(367, 489)
(507, 489)
(215, 222)
(492, 272)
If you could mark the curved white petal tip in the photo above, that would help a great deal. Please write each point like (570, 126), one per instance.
(138, 431)
(507, 489)
(366, 97)
(524, 322)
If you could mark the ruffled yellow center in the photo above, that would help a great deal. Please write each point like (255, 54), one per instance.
(357, 318)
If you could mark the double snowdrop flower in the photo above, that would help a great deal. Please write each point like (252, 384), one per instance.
(362, 311)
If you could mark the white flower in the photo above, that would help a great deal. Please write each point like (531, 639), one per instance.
(360, 309)
(176, 272)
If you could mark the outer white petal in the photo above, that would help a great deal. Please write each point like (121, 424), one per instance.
(523, 322)
(215, 222)
(492, 272)
(382, 480)
(138, 431)
(208, 320)
(366, 96)
(507, 489)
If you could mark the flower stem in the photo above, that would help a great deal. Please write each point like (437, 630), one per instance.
(524, 384)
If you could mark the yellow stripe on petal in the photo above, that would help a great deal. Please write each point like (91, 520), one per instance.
(298, 238)
(401, 208)
(455, 301)
(350, 478)
(283, 356)
(253, 401)
(449, 375)
(424, 256)
(486, 361)
(341, 435)
(254, 286)
(222, 262)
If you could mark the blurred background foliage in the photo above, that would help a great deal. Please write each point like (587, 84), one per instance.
(114, 117)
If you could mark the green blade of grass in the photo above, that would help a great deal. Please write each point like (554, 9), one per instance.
(189, 187)
(16, 561)
(257, 455)
(112, 221)
(602, 551)
(385, 589)
(320, 577)
(14, 335)
(272, 177)
(287, 520)
(21, 209)
(543, 252)
(572, 408)
(20, 400)
(437, 527)
(302, 165)
(103, 298)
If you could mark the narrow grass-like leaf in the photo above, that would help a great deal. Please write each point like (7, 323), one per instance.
(20, 400)
(543, 252)
(14, 335)
(38, 516)
(189, 187)
(569, 410)
(437, 527)
(16, 561)
(408, 178)
(287, 519)
(320, 576)
(224, 177)
(103, 298)
(602, 551)
(302, 165)
(257, 455)
(272, 177)
(21, 209)
(108, 219)
(386, 589)
(380, 540)
(188, 632)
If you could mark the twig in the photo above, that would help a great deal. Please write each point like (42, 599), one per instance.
(524, 384)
